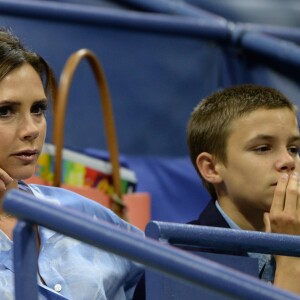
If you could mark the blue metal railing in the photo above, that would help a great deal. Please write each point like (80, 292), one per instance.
(224, 239)
(154, 255)
(273, 42)
(281, 32)
(85, 14)
(184, 8)
(283, 52)
(176, 7)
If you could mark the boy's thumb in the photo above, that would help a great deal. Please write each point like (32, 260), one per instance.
(267, 222)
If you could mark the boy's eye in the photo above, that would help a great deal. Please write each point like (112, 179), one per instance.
(261, 149)
(294, 149)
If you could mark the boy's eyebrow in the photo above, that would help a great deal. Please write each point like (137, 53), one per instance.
(294, 138)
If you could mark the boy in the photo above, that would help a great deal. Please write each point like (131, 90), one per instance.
(244, 144)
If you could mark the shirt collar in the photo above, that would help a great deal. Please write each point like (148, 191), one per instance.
(226, 217)
(262, 258)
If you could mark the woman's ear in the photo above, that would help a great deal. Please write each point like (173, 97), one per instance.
(208, 168)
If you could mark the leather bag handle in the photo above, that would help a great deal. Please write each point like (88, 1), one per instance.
(60, 105)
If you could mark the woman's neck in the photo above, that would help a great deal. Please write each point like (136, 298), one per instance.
(10, 186)
(7, 222)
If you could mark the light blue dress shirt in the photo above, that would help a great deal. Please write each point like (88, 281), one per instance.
(72, 269)
(266, 263)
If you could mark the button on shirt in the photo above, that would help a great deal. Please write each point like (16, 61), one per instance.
(57, 287)
(70, 268)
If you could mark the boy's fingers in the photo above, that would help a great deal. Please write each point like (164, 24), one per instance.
(267, 222)
(279, 194)
(291, 197)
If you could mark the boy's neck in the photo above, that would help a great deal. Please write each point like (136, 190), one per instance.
(245, 218)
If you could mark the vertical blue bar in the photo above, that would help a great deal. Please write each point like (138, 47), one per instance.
(25, 262)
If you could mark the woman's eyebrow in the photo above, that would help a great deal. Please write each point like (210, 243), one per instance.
(10, 102)
(16, 102)
(41, 100)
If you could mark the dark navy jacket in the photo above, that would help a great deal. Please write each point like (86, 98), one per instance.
(211, 216)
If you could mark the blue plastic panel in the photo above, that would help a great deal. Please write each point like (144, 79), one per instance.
(154, 66)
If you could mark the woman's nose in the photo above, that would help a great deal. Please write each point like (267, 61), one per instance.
(29, 129)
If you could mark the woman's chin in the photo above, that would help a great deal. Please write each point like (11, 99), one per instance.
(22, 175)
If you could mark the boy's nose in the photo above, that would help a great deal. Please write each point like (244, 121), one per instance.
(286, 162)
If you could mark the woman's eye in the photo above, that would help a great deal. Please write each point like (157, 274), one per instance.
(5, 111)
(39, 108)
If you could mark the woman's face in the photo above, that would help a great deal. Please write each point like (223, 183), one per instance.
(22, 121)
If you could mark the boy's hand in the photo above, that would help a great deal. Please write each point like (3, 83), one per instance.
(285, 210)
(267, 222)
(284, 217)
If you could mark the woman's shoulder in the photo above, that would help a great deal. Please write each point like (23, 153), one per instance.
(67, 198)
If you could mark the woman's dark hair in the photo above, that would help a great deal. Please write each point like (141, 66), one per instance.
(13, 54)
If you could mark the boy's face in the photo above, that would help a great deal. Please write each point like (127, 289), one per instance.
(261, 146)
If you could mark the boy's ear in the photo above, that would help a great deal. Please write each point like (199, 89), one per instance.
(208, 167)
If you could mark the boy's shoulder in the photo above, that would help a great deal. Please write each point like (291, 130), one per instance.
(210, 216)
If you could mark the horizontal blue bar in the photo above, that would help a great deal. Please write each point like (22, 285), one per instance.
(224, 238)
(291, 34)
(159, 23)
(263, 40)
(163, 258)
(178, 7)
(282, 51)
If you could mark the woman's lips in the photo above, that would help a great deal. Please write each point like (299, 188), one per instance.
(27, 155)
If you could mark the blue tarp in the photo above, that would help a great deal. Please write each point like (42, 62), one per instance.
(158, 66)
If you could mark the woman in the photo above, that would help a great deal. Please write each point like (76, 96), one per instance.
(68, 269)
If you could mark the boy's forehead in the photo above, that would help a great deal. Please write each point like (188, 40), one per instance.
(265, 122)
(262, 113)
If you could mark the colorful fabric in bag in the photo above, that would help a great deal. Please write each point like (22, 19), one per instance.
(80, 169)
